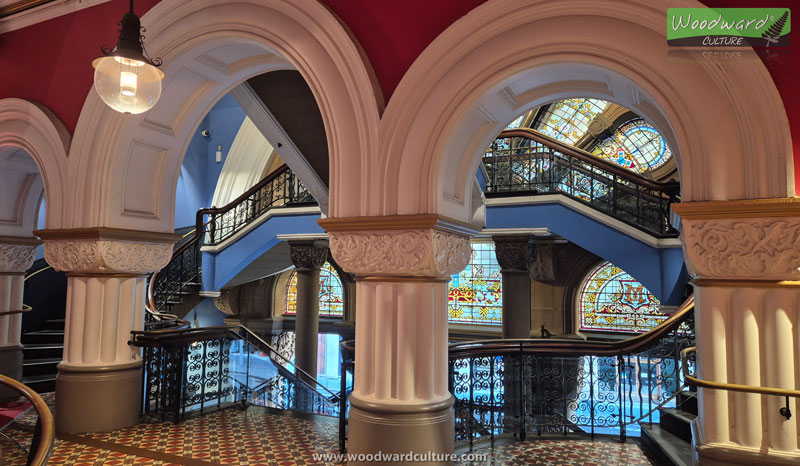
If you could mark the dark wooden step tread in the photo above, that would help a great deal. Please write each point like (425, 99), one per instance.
(670, 448)
(34, 362)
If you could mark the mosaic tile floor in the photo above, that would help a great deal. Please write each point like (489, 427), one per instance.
(259, 438)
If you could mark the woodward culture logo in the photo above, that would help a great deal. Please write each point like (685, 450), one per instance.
(728, 27)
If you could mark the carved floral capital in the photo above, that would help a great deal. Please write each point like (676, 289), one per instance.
(106, 256)
(308, 254)
(743, 248)
(514, 253)
(419, 252)
(16, 258)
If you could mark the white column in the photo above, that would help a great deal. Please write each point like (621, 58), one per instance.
(400, 402)
(744, 256)
(16, 256)
(99, 379)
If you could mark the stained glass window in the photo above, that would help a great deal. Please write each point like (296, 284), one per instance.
(611, 300)
(331, 295)
(635, 145)
(475, 294)
(516, 123)
(567, 120)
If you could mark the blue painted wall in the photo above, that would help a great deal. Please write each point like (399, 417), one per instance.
(661, 270)
(220, 268)
(200, 171)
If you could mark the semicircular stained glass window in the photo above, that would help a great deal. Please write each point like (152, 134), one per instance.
(475, 295)
(331, 294)
(636, 145)
(610, 300)
(567, 120)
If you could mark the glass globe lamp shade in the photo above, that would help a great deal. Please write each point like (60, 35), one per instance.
(127, 85)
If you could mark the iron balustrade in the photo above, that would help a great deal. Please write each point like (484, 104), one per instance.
(281, 188)
(526, 162)
(187, 370)
(214, 225)
(518, 387)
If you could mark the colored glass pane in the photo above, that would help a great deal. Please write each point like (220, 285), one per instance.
(567, 120)
(613, 301)
(475, 294)
(331, 295)
(516, 123)
(635, 145)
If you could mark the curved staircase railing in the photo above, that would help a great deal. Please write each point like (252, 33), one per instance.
(526, 162)
(560, 385)
(181, 278)
(189, 369)
(44, 435)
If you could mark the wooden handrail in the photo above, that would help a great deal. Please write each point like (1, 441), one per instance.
(575, 347)
(670, 187)
(25, 308)
(48, 429)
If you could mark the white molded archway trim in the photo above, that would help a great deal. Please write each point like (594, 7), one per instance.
(724, 119)
(129, 164)
(36, 130)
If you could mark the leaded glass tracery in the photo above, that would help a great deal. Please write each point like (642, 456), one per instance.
(567, 120)
(331, 293)
(636, 145)
(475, 294)
(611, 300)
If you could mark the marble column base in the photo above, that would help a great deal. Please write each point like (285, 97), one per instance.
(10, 366)
(97, 399)
(396, 429)
(731, 454)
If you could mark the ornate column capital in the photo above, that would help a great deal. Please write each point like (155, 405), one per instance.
(515, 253)
(107, 250)
(742, 240)
(426, 245)
(308, 254)
(17, 254)
(542, 267)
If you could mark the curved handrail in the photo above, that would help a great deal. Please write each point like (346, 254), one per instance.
(576, 347)
(231, 205)
(734, 387)
(46, 423)
(152, 337)
(25, 308)
(37, 272)
(670, 187)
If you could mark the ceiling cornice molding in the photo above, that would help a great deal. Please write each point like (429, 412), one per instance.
(21, 14)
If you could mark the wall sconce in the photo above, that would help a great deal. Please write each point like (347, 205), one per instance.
(125, 78)
(219, 154)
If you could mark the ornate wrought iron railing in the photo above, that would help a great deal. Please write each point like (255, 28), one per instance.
(563, 386)
(280, 188)
(526, 162)
(186, 370)
(517, 387)
(214, 225)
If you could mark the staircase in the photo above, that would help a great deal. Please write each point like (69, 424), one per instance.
(670, 442)
(175, 288)
(42, 352)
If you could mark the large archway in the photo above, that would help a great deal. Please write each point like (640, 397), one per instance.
(131, 163)
(725, 119)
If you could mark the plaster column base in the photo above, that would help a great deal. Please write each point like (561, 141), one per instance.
(10, 366)
(97, 399)
(396, 429)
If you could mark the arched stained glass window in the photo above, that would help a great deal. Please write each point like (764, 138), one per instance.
(475, 294)
(516, 123)
(610, 300)
(635, 145)
(567, 120)
(331, 294)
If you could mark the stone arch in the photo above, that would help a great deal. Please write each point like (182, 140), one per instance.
(725, 120)
(130, 163)
(38, 132)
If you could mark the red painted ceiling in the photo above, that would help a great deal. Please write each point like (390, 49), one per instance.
(49, 62)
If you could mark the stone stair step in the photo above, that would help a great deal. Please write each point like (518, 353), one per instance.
(665, 448)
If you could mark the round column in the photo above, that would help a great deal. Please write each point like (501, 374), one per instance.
(307, 257)
(16, 256)
(515, 256)
(99, 383)
(401, 403)
(744, 257)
